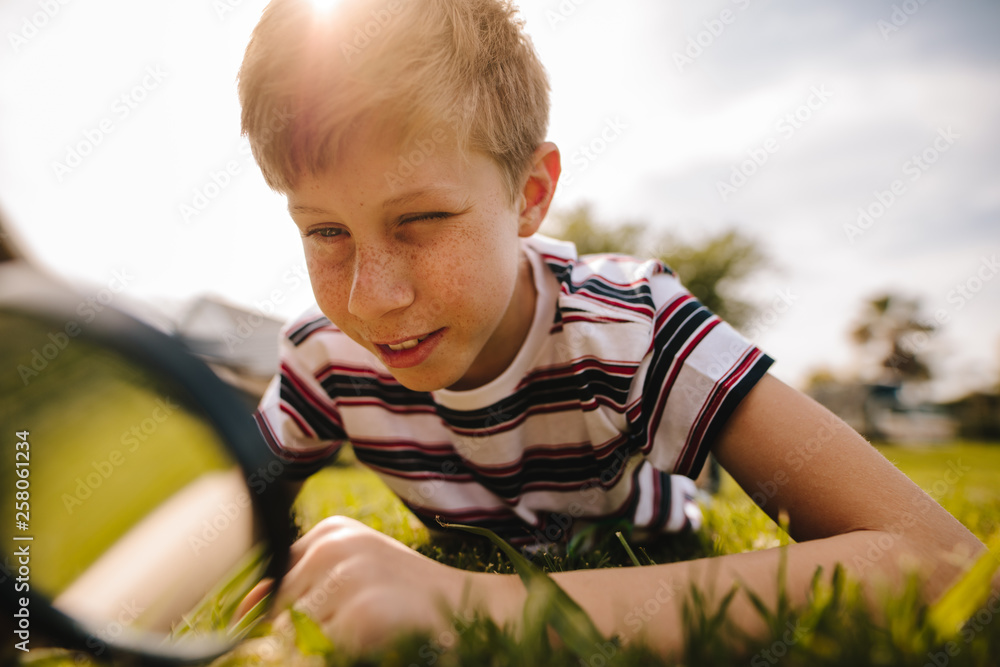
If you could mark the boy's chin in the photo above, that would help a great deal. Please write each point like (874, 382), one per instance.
(415, 380)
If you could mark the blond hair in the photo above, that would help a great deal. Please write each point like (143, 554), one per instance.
(310, 77)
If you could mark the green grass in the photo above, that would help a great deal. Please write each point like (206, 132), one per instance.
(963, 476)
(833, 629)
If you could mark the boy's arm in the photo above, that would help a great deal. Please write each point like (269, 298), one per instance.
(845, 502)
(793, 454)
(834, 483)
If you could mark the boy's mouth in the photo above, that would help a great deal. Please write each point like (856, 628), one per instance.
(410, 352)
(407, 344)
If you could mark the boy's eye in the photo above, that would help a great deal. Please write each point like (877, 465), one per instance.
(326, 232)
(437, 215)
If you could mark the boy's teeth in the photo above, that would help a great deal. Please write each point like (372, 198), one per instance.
(406, 344)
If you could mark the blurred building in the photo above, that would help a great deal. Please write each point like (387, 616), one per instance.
(978, 416)
(239, 344)
(877, 412)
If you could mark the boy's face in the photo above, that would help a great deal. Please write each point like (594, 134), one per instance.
(425, 271)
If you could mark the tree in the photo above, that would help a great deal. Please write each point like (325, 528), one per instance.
(591, 238)
(892, 334)
(7, 251)
(996, 387)
(711, 269)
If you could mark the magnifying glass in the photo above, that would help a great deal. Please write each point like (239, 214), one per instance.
(138, 503)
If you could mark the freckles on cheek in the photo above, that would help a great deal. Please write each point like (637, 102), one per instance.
(484, 292)
(328, 286)
(447, 296)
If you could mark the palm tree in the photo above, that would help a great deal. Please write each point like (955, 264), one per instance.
(891, 331)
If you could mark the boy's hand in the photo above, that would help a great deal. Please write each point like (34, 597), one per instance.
(364, 588)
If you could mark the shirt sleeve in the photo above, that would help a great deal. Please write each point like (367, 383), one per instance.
(299, 421)
(696, 372)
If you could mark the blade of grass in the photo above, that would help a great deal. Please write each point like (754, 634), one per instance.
(244, 625)
(960, 602)
(628, 549)
(547, 602)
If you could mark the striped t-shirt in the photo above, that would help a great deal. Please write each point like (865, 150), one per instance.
(618, 391)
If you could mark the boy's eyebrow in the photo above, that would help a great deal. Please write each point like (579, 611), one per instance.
(299, 208)
(410, 196)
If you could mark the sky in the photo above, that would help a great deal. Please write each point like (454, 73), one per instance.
(856, 141)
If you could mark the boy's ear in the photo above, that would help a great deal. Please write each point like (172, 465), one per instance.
(539, 188)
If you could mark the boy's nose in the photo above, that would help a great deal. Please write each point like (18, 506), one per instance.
(381, 284)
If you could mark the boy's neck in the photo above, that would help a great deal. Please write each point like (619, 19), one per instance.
(503, 346)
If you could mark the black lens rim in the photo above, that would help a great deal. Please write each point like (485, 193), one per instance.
(168, 358)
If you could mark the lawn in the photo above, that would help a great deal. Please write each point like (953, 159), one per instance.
(834, 629)
(964, 477)
(961, 476)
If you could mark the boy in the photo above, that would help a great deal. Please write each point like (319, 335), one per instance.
(489, 375)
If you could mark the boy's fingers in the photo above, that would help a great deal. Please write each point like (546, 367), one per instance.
(330, 542)
(324, 529)
(255, 595)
